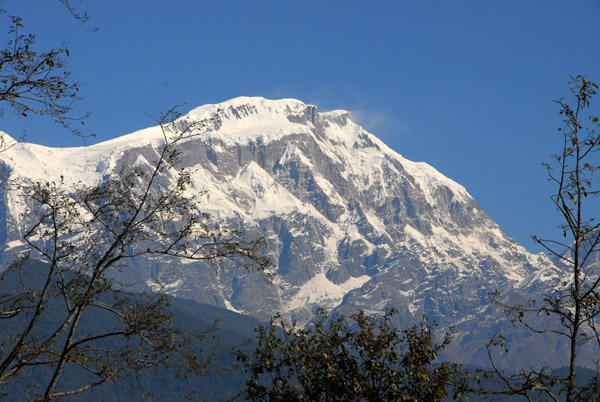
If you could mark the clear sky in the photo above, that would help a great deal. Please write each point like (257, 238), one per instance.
(466, 86)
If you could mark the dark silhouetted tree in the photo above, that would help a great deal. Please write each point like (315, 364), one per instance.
(571, 307)
(34, 82)
(356, 358)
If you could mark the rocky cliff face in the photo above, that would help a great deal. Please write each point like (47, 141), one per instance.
(349, 222)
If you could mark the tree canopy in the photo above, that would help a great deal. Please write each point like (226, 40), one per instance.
(356, 358)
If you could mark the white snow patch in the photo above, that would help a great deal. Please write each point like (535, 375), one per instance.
(320, 290)
(231, 308)
(163, 287)
(292, 152)
(269, 197)
(430, 179)
(14, 244)
(413, 233)
(377, 223)
(354, 282)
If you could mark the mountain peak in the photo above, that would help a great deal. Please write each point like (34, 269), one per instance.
(246, 107)
(348, 222)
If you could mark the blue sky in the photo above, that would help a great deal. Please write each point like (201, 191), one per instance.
(466, 86)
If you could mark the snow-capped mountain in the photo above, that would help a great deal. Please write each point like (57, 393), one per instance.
(349, 222)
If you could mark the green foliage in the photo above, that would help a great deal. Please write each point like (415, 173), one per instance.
(356, 358)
